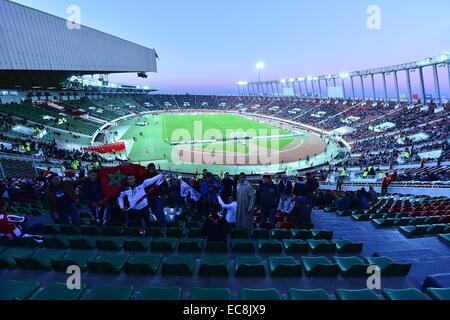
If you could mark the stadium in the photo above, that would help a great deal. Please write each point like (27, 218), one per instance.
(326, 187)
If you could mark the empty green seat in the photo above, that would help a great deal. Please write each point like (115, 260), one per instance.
(239, 234)
(214, 266)
(164, 245)
(79, 259)
(347, 247)
(7, 257)
(389, 268)
(136, 244)
(302, 234)
(260, 234)
(56, 242)
(29, 242)
(195, 233)
(413, 231)
(322, 234)
(216, 294)
(91, 231)
(107, 293)
(112, 232)
(259, 294)
(295, 246)
(59, 291)
(305, 295)
(281, 234)
(352, 266)
(108, 263)
(134, 232)
(420, 221)
(439, 293)
(70, 230)
(151, 293)
(216, 247)
(190, 245)
(344, 213)
(176, 233)
(111, 244)
(363, 294)
(40, 260)
(143, 265)
(155, 232)
(436, 229)
(402, 222)
(322, 246)
(249, 267)
(284, 267)
(319, 267)
(50, 229)
(269, 246)
(383, 223)
(404, 294)
(6, 242)
(359, 211)
(445, 238)
(83, 243)
(242, 246)
(361, 217)
(178, 266)
(376, 216)
(17, 290)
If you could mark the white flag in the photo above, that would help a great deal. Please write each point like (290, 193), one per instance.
(186, 189)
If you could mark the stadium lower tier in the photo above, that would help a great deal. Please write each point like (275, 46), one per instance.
(326, 260)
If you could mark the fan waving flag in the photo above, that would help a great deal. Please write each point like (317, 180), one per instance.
(186, 189)
(114, 179)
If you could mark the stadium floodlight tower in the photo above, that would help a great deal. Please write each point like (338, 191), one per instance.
(260, 67)
(242, 84)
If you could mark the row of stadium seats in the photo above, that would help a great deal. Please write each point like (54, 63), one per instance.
(21, 290)
(176, 229)
(209, 266)
(191, 245)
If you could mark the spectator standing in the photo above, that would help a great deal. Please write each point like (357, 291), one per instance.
(285, 188)
(267, 200)
(215, 228)
(245, 196)
(133, 199)
(63, 200)
(157, 200)
(231, 208)
(385, 184)
(98, 202)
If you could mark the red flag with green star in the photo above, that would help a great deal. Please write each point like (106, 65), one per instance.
(114, 179)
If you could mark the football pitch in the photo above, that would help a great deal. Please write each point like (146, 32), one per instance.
(166, 139)
(220, 126)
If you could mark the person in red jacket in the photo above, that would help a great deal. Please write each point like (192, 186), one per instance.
(9, 229)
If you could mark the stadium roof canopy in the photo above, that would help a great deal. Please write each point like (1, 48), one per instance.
(41, 50)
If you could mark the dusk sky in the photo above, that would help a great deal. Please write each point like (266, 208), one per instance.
(206, 46)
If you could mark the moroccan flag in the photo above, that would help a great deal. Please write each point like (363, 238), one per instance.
(114, 179)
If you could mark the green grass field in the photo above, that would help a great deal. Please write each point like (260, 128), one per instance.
(154, 141)
(226, 125)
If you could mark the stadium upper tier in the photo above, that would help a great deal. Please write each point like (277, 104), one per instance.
(379, 132)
